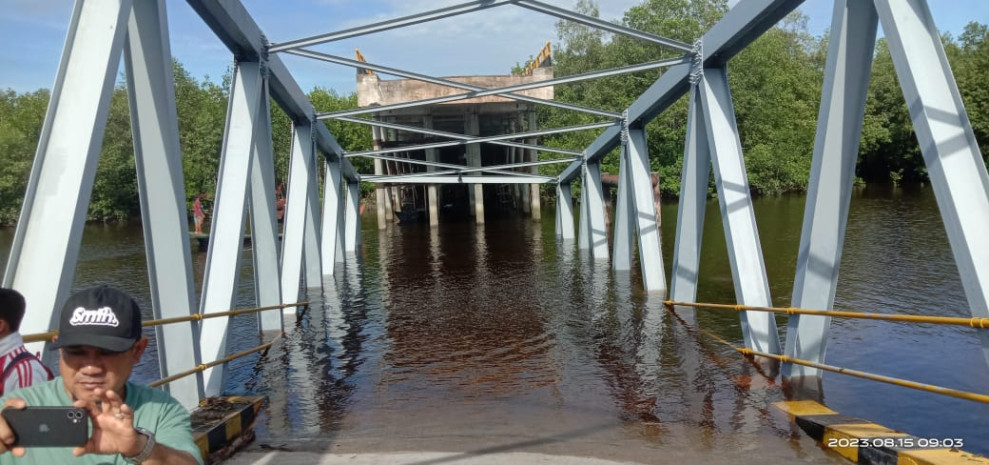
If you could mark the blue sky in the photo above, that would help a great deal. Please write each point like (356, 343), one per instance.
(489, 42)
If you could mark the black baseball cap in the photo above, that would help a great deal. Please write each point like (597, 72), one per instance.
(101, 317)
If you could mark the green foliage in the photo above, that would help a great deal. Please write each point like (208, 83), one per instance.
(21, 117)
(775, 82)
(776, 89)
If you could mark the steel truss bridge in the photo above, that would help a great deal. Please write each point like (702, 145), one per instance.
(316, 237)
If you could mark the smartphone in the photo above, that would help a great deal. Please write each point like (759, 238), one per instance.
(48, 426)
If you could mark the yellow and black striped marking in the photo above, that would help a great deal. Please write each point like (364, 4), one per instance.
(220, 422)
(864, 442)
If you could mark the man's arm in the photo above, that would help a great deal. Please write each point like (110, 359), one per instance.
(161, 454)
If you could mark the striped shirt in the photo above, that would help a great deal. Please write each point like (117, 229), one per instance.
(25, 373)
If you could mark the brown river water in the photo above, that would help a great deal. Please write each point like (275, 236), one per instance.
(499, 338)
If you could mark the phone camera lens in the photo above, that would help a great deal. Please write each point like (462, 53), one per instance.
(74, 415)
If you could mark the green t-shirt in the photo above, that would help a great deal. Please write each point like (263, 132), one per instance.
(154, 410)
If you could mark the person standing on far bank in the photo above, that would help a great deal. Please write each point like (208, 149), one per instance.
(100, 341)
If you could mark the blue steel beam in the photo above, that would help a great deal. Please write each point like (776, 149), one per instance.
(601, 24)
(444, 82)
(738, 28)
(954, 161)
(451, 135)
(161, 188)
(45, 250)
(832, 174)
(234, 26)
(404, 21)
(501, 90)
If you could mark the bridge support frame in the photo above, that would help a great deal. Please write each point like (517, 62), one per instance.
(246, 111)
(332, 232)
(623, 240)
(161, 188)
(642, 210)
(741, 233)
(296, 212)
(694, 180)
(829, 192)
(593, 231)
(352, 232)
(564, 212)
(49, 230)
(954, 161)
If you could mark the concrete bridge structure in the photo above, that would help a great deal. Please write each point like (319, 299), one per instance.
(319, 235)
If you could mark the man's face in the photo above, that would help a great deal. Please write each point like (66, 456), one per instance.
(86, 368)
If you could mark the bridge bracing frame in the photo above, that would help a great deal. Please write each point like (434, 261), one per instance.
(316, 239)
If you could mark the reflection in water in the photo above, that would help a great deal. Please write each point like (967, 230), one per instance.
(502, 338)
(499, 338)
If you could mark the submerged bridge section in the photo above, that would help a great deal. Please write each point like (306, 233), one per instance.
(411, 145)
(317, 236)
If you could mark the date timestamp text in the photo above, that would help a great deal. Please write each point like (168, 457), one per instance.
(895, 443)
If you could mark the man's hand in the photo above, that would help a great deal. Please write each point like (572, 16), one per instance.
(113, 426)
(7, 437)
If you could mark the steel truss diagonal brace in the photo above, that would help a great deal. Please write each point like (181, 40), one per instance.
(444, 82)
(519, 87)
(564, 212)
(642, 212)
(332, 240)
(161, 188)
(594, 234)
(452, 135)
(352, 233)
(297, 202)
(223, 256)
(951, 153)
(419, 18)
(741, 234)
(45, 250)
(264, 226)
(690, 215)
(624, 241)
(829, 192)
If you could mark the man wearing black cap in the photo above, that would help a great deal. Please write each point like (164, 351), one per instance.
(100, 341)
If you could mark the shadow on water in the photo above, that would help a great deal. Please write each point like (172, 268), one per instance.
(500, 338)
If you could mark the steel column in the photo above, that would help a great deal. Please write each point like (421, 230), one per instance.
(596, 231)
(583, 237)
(379, 190)
(621, 259)
(264, 223)
(431, 195)
(535, 207)
(829, 192)
(353, 231)
(564, 212)
(223, 256)
(296, 204)
(644, 212)
(741, 234)
(45, 250)
(473, 128)
(695, 176)
(161, 187)
(312, 253)
(954, 161)
(332, 203)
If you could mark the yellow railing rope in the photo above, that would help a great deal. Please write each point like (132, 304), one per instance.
(204, 366)
(858, 374)
(974, 322)
(45, 337)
